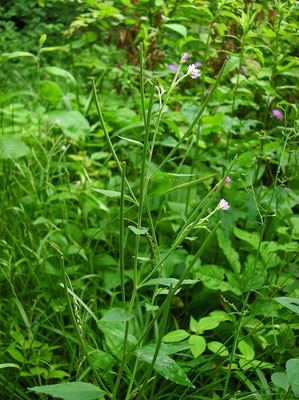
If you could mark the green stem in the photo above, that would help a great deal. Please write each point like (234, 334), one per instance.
(108, 137)
(77, 329)
(196, 119)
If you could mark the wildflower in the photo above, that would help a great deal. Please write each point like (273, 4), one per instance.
(244, 70)
(195, 73)
(63, 148)
(198, 64)
(171, 66)
(78, 183)
(58, 122)
(185, 57)
(277, 114)
(227, 180)
(223, 205)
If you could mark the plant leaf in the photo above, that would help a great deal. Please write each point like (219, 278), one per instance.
(71, 391)
(176, 336)
(198, 345)
(164, 365)
(12, 148)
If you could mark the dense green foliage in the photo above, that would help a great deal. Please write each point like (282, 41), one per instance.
(129, 280)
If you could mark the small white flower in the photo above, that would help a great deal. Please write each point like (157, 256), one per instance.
(63, 147)
(58, 122)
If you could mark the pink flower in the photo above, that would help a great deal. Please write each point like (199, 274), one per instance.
(185, 57)
(277, 114)
(227, 180)
(195, 73)
(244, 70)
(171, 66)
(198, 64)
(223, 205)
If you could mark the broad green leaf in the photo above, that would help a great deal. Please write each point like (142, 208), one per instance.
(165, 366)
(72, 391)
(251, 238)
(231, 64)
(231, 254)
(208, 323)
(72, 123)
(56, 71)
(213, 120)
(167, 348)
(193, 325)
(198, 345)
(213, 277)
(12, 148)
(138, 231)
(116, 314)
(119, 334)
(176, 336)
(112, 193)
(150, 307)
(246, 159)
(289, 302)
(246, 350)
(292, 368)
(177, 28)
(219, 348)
(50, 92)
(280, 379)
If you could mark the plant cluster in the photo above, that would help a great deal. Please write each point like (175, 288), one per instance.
(149, 227)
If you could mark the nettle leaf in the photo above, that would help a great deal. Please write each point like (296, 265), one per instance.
(176, 336)
(165, 366)
(218, 348)
(230, 253)
(289, 302)
(138, 231)
(177, 28)
(116, 315)
(292, 368)
(71, 391)
(12, 148)
(198, 345)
